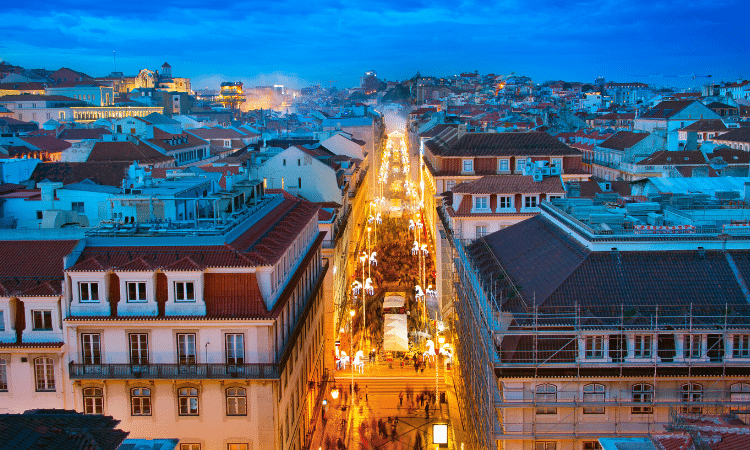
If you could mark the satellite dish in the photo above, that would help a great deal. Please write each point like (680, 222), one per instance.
(717, 163)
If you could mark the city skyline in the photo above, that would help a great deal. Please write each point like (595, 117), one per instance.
(333, 43)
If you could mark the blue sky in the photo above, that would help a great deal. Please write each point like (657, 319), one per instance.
(297, 42)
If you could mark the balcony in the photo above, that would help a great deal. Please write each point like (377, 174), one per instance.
(173, 371)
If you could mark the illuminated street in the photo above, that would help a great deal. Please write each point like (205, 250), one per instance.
(392, 341)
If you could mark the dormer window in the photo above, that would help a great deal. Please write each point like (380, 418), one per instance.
(42, 320)
(503, 165)
(468, 165)
(136, 291)
(481, 203)
(184, 291)
(227, 143)
(88, 292)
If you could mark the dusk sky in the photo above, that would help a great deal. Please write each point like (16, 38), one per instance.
(299, 42)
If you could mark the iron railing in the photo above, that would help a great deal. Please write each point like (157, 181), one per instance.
(256, 371)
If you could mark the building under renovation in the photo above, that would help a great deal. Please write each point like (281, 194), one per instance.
(594, 320)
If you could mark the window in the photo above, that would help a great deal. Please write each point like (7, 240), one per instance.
(692, 393)
(643, 346)
(449, 185)
(642, 393)
(593, 392)
(190, 447)
(91, 348)
(236, 401)
(592, 445)
(138, 348)
(42, 320)
(557, 162)
(481, 203)
(2, 321)
(468, 165)
(692, 345)
(140, 401)
(136, 291)
(739, 395)
(481, 231)
(529, 202)
(505, 202)
(227, 143)
(504, 165)
(93, 401)
(741, 346)
(236, 446)
(186, 348)
(184, 291)
(188, 401)
(299, 162)
(299, 183)
(520, 164)
(283, 162)
(39, 215)
(594, 347)
(3, 375)
(545, 446)
(88, 292)
(77, 207)
(44, 371)
(235, 346)
(546, 393)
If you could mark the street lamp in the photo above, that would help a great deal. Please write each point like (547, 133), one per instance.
(351, 351)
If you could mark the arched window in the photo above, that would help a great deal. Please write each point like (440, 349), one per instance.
(692, 393)
(643, 393)
(593, 393)
(546, 393)
(44, 372)
(236, 401)
(140, 401)
(93, 401)
(188, 401)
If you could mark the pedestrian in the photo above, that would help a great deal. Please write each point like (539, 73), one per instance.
(340, 445)
(328, 443)
(393, 432)
(416, 365)
(427, 410)
(400, 398)
(356, 389)
(420, 397)
(368, 401)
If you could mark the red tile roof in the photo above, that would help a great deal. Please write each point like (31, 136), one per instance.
(163, 140)
(735, 135)
(47, 143)
(505, 144)
(106, 173)
(216, 133)
(665, 158)
(126, 151)
(33, 268)
(75, 134)
(666, 109)
(510, 184)
(623, 140)
(706, 125)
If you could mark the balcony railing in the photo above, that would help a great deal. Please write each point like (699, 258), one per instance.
(256, 371)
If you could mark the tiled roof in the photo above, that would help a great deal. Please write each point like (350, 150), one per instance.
(126, 151)
(33, 268)
(508, 144)
(9, 187)
(510, 184)
(163, 140)
(623, 140)
(57, 429)
(31, 344)
(666, 109)
(719, 105)
(731, 155)
(106, 173)
(706, 125)
(683, 157)
(150, 258)
(47, 143)
(557, 271)
(735, 135)
(41, 98)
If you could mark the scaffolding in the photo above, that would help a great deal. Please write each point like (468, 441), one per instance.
(567, 372)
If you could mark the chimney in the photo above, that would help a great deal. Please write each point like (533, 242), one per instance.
(462, 130)
(747, 190)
